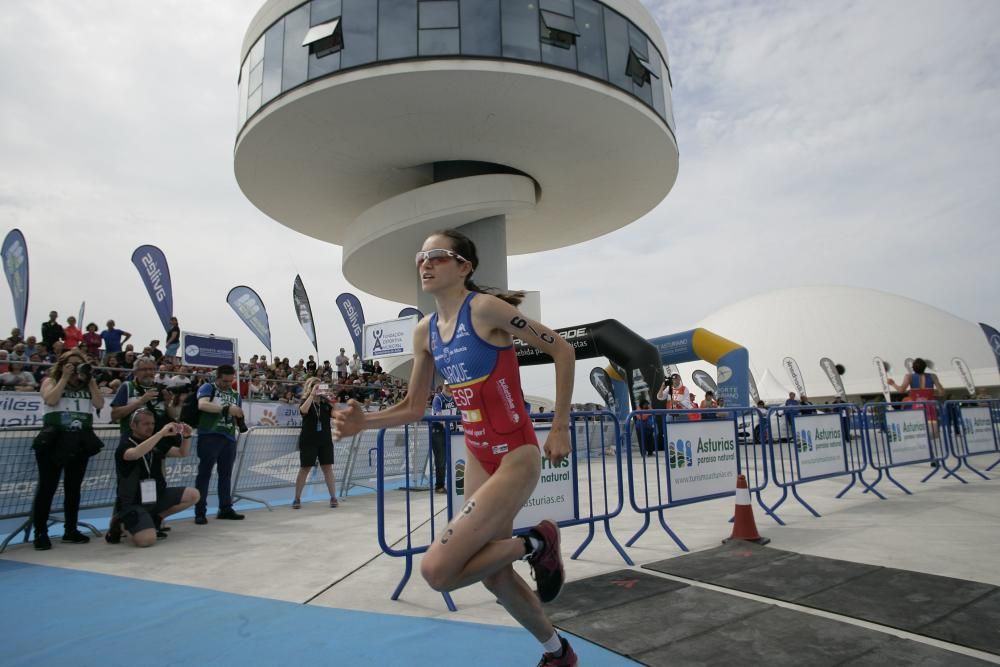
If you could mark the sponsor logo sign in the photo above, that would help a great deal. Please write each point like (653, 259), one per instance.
(977, 427)
(391, 338)
(22, 408)
(819, 441)
(701, 459)
(907, 436)
(552, 498)
(207, 350)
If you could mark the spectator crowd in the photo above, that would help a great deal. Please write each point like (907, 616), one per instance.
(26, 361)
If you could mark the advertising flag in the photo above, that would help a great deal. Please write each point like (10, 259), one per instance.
(354, 318)
(304, 311)
(250, 308)
(966, 373)
(883, 376)
(833, 375)
(795, 375)
(410, 310)
(602, 383)
(155, 274)
(15, 267)
(704, 381)
(754, 394)
(993, 336)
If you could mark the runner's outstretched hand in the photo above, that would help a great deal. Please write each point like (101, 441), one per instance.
(348, 422)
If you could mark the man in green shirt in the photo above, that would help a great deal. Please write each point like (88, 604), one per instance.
(218, 409)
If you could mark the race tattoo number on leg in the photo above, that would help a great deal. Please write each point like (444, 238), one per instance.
(466, 511)
(521, 323)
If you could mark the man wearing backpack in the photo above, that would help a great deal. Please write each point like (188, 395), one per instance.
(218, 410)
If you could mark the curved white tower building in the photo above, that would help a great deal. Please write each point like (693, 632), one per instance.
(530, 124)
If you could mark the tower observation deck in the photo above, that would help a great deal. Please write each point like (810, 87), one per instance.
(529, 124)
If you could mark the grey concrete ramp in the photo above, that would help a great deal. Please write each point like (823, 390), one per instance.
(976, 625)
(962, 612)
(904, 652)
(671, 623)
(899, 599)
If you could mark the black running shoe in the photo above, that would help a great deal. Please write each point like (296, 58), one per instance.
(75, 537)
(229, 514)
(42, 542)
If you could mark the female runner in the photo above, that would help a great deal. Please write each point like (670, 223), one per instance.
(469, 341)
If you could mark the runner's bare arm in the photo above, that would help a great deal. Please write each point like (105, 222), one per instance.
(410, 409)
(501, 315)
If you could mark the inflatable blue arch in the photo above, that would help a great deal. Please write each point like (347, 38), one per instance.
(731, 360)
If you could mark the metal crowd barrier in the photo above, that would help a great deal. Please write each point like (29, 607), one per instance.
(266, 458)
(19, 478)
(406, 454)
(972, 428)
(270, 460)
(681, 457)
(594, 439)
(813, 442)
(904, 434)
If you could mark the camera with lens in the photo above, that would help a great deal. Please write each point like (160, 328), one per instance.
(177, 387)
(84, 372)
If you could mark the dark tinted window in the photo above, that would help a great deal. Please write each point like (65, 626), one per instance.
(273, 46)
(519, 25)
(480, 27)
(323, 11)
(438, 14)
(616, 38)
(295, 62)
(360, 23)
(590, 52)
(439, 42)
(656, 85)
(397, 29)
(561, 6)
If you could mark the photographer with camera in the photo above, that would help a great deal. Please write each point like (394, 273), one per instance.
(142, 392)
(66, 441)
(315, 439)
(143, 495)
(219, 418)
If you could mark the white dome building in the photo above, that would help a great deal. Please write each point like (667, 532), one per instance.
(851, 326)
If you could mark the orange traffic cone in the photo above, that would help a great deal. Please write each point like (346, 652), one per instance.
(744, 527)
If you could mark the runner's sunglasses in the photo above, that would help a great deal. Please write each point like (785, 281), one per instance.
(438, 254)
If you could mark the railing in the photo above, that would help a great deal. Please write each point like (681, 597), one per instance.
(815, 442)
(564, 494)
(682, 457)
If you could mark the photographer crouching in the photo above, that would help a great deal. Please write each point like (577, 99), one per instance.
(162, 401)
(66, 441)
(144, 499)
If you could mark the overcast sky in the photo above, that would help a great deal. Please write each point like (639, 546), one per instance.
(843, 143)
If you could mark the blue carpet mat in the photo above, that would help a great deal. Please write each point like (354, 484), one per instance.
(56, 616)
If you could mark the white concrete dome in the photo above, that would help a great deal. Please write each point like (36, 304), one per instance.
(850, 326)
